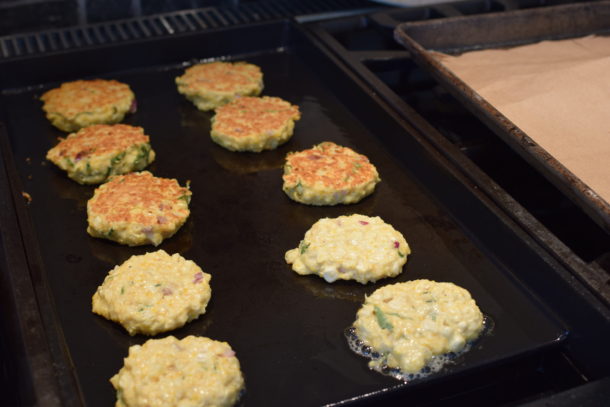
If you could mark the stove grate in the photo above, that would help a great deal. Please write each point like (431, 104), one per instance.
(162, 25)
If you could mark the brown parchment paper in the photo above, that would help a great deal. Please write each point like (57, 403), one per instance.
(557, 92)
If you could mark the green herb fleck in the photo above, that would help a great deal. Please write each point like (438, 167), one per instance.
(117, 158)
(400, 254)
(69, 162)
(303, 246)
(142, 155)
(357, 166)
(185, 198)
(88, 168)
(122, 290)
(382, 320)
(110, 232)
(158, 284)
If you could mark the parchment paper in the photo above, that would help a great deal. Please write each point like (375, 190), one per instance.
(557, 92)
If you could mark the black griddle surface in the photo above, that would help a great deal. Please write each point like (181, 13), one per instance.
(287, 330)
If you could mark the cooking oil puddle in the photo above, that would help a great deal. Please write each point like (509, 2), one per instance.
(377, 360)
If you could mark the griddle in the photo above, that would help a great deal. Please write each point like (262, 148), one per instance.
(287, 330)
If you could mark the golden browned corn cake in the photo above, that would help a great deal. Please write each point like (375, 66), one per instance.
(410, 324)
(214, 84)
(192, 372)
(85, 102)
(99, 151)
(254, 124)
(153, 293)
(328, 174)
(137, 209)
(355, 247)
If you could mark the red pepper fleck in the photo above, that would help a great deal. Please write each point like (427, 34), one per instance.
(396, 245)
(81, 154)
(198, 278)
(363, 222)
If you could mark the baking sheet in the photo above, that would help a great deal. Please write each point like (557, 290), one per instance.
(287, 330)
(557, 92)
(574, 169)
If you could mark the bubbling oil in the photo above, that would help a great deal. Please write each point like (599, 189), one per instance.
(434, 365)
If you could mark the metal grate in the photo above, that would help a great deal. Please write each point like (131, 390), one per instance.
(167, 24)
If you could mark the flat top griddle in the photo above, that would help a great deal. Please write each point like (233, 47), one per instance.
(287, 330)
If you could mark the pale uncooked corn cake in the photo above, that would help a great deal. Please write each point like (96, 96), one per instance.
(138, 209)
(96, 152)
(355, 247)
(192, 372)
(81, 103)
(410, 324)
(254, 124)
(153, 293)
(328, 174)
(213, 84)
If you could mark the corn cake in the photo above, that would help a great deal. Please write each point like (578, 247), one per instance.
(82, 103)
(410, 325)
(214, 84)
(137, 209)
(328, 174)
(354, 247)
(153, 293)
(254, 124)
(192, 372)
(99, 151)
